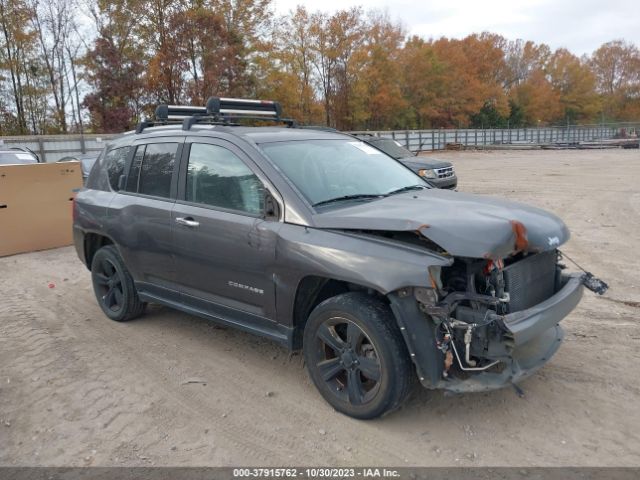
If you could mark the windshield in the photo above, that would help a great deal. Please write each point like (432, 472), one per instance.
(8, 158)
(392, 148)
(326, 170)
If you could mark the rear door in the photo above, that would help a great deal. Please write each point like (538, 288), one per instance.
(141, 214)
(224, 248)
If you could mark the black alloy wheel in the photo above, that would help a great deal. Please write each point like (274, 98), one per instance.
(114, 286)
(347, 360)
(356, 355)
(109, 285)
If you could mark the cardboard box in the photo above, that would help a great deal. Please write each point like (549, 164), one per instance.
(36, 205)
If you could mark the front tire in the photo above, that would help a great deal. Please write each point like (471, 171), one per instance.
(356, 356)
(114, 287)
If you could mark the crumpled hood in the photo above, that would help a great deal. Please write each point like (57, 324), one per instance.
(463, 224)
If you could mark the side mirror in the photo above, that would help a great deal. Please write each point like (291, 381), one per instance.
(271, 207)
(122, 182)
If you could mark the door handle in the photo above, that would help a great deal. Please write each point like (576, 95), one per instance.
(187, 222)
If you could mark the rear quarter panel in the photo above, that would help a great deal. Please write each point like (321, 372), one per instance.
(91, 207)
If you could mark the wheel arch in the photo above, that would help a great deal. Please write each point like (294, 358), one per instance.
(315, 289)
(92, 243)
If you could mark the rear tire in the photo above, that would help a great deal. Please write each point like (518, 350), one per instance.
(114, 287)
(356, 356)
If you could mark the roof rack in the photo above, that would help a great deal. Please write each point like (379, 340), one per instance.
(218, 111)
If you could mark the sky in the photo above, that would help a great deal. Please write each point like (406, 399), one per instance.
(579, 25)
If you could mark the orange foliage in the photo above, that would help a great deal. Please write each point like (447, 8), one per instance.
(538, 99)
(576, 84)
(350, 69)
(616, 66)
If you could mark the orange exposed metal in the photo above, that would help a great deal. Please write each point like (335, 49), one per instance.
(520, 232)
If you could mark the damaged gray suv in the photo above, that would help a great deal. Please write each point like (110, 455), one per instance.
(323, 243)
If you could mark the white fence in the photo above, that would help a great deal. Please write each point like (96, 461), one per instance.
(51, 148)
(420, 140)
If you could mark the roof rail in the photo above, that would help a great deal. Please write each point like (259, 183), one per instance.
(218, 111)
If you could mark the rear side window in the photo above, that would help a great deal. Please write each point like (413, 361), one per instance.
(115, 161)
(134, 172)
(152, 168)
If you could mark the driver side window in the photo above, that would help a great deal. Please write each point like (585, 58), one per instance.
(219, 178)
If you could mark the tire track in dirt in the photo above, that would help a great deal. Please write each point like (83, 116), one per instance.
(42, 349)
(50, 364)
(249, 435)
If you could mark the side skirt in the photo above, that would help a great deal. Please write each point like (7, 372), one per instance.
(240, 320)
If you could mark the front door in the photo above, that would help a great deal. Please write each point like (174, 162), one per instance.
(224, 248)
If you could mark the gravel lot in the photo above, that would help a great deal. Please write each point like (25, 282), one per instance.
(170, 389)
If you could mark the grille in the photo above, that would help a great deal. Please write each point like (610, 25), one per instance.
(530, 280)
(445, 172)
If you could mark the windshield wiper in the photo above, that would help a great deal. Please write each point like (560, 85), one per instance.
(359, 196)
(406, 189)
(369, 196)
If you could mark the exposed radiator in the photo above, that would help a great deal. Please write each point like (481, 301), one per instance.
(530, 280)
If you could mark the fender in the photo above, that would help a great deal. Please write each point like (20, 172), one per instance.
(376, 263)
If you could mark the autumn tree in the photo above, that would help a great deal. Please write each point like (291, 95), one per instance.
(158, 32)
(39, 47)
(549, 87)
(381, 93)
(485, 54)
(523, 60)
(203, 42)
(336, 53)
(537, 99)
(287, 72)
(17, 42)
(616, 66)
(249, 26)
(460, 90)
(422, 75)
(225, 43)
(54, 25)
(349, 69)
(113, 69)
(576, 84)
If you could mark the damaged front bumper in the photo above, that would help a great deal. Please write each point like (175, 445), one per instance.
(531, 337)
(524, 362)
(526, 325)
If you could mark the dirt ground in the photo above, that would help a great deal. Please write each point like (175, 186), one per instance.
(77, 389)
